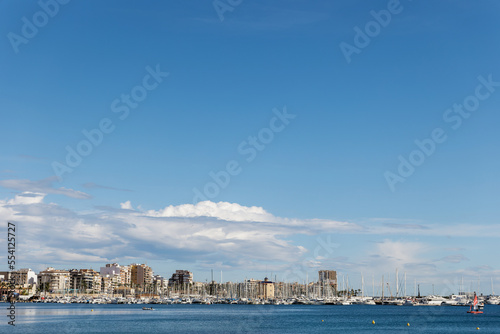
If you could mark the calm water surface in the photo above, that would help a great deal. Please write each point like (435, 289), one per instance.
(79, 318)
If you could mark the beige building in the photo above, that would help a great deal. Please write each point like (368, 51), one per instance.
(266, 289)
(52, 280)
(141, 275)
(110, 284)
(125, 275)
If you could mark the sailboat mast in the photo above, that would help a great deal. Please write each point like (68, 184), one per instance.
(397, 283)
(362, 286)
(307, 285)
(405, 284)
(373, 286)
(347, 283)
(382, 286)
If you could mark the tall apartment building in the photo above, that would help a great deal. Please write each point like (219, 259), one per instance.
(328, 277)
(52, 280)
(181, 277)
(265, 289)
(126, 275)
(23, 277)
(85, 281)
(141, 275)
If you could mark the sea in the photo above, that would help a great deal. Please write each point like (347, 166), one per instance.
(227, 318)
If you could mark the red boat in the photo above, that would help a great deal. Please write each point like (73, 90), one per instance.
(474, 310)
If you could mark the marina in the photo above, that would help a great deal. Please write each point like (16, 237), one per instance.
(431, 300)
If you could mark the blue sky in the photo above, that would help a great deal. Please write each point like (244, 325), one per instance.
(322, 174)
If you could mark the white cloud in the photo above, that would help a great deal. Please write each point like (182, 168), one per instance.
(218, 235)
(234, 212)
(126, 206)
(220, 210)
(207, 232)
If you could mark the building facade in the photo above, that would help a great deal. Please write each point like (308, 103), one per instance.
(24, 277)
(53, 280)
(328, 277)
(85, 281)
(181, 277)
(266, 289)
(141, 276)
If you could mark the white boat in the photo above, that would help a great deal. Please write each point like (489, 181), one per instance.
(432, 300)
(493, 300)
(369, 302)
(456, 300)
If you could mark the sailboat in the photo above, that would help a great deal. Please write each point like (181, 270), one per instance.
(474, 308)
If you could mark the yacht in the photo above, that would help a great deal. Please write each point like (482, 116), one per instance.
(432, 300)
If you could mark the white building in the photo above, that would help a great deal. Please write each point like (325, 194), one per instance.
(115, 277)
(111, 269)
(52, 280)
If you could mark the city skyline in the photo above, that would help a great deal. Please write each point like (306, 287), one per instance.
(266, 138)
(116, 278)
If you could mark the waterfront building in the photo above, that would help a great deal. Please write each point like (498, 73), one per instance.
(160, 283)
(85, 281)
(125, 275)
(111, 270)
(141, 275)
(114, 276)
(52, 280)
(110, 284)
(328, 278)
(181, 281)
(114, 269)
(23, 277)
(181, 277)
(266, 289)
